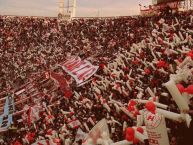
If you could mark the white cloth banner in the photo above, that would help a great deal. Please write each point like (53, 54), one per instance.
(80, 70)
(97, 131)
(178, 98)
(80, 135)
(156, 129)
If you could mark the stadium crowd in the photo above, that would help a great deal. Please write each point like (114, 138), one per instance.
(132, 54)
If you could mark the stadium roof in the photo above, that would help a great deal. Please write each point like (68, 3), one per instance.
(155, 2)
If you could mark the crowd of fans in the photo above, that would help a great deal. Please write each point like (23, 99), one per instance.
(132, 54)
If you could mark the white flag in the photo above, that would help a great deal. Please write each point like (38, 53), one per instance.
(97, 131)
(80, 135)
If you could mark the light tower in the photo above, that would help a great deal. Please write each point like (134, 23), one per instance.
(67, 9)
(61, 8)
(74, 9)
(71, 8)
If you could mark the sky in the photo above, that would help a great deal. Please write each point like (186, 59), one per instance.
(85, 8)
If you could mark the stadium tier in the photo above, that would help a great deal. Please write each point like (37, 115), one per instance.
(115, 81)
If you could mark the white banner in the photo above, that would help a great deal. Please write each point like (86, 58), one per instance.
(175, 93)
(80, 135)
(80, 70)
(97, 131)
(156, 129)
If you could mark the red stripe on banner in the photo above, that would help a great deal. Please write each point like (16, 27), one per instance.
(86, 73)
(71, 61)
(80, 70)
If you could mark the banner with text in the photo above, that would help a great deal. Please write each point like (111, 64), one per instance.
(6, 119)
(80, 70)
(156, 129)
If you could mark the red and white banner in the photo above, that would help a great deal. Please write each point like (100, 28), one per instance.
(156, 129)
(80, 70)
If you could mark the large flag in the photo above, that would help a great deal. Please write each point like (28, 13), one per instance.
(97, 131)
(80, 70)
(80, 135)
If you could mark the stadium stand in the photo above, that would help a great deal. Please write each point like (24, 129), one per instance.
(132, 54)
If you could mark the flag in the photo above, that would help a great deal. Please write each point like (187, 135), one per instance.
(6, 119)
(80, 135)
(156, 128)
(80, 70)
(9, 106)
(97, 131)
(6, 107)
